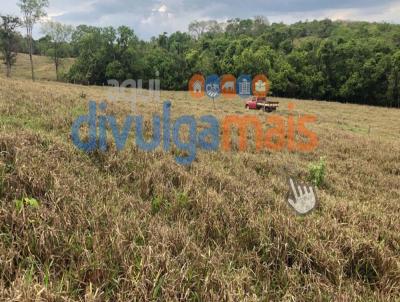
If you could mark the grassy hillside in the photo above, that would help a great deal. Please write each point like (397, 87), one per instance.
(136, 226)
(44, 68)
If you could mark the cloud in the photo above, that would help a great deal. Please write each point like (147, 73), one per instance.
(389, 12)
(152, 17)
(162, 9)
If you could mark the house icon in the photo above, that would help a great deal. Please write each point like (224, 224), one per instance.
(197, 87)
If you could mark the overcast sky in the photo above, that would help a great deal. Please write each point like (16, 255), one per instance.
(152, 17)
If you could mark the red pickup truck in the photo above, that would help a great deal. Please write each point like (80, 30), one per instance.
(257, 103)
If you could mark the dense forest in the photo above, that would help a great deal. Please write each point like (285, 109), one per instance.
(356, 62)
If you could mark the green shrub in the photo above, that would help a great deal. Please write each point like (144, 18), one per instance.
(156, 204)
(183, 200)
(317, 172)
(20, 204)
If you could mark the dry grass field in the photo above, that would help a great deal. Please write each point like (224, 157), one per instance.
(136, 226)
(44, 67)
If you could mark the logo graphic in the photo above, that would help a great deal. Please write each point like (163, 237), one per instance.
(228, 134)
(196, 86)
(228, 86)
(260, 85)
(302, 200)
(205, 133)
(244, 86)
(213, 86)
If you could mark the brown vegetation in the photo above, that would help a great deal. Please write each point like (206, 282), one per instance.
(137, 226)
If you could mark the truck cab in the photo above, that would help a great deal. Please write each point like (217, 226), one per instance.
(257, 103)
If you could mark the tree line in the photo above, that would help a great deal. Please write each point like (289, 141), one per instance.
(345, 61)
(356, 62)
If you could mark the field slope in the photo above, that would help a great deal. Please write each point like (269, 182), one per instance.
(44, 67)
(130, 225)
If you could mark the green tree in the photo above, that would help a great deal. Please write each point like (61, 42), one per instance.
(60, 35)
(32, 11)
(9, 41)
(96, 50)
(326, 60)
(394, 85)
